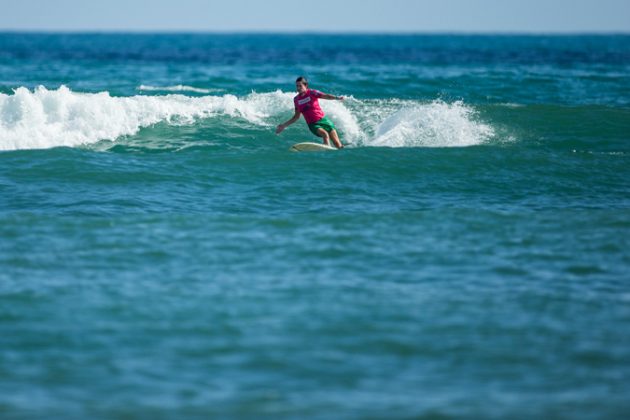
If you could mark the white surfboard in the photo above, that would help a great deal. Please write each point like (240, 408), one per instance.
(311, 147)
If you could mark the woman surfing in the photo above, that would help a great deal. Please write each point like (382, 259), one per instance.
(307, 103)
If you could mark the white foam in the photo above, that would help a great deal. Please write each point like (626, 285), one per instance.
(50, 118)
(45, 118)
(176, 88)
(346, 122)
(436, 124)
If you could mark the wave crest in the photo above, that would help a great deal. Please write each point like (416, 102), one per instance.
(49, 118)
(45, 118)
(175, 88)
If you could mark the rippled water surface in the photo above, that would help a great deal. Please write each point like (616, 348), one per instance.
(163, 254)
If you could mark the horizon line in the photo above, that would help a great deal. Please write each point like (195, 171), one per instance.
(311, 32)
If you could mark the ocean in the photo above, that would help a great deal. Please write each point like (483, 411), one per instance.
(164, 255)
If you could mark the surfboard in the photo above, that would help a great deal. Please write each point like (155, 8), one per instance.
(311, 147)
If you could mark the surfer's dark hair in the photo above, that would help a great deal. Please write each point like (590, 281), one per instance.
(301, 79)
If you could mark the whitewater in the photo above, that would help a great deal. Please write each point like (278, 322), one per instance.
(45, 118)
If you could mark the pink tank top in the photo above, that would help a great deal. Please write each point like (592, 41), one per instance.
(308, 105)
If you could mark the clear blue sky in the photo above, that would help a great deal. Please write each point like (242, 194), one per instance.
(322, 15)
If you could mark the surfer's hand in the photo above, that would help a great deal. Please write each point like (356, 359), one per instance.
(279, 129)
(341, 98)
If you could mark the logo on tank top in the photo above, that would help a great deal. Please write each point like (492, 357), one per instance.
(304, 101)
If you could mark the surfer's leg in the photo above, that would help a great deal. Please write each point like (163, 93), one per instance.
(335, 139)
(324, 135)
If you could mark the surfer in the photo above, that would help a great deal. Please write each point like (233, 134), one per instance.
(307, 103)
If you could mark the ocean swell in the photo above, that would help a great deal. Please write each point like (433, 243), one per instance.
(45, 118)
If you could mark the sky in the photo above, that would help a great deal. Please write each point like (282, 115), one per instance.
(530, 16)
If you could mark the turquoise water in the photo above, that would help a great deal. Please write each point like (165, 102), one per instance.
(164, 255)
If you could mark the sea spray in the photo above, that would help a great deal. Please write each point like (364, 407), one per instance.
(436, 124)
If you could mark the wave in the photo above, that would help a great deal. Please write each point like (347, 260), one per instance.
(45, 118)
(176, 88)
(50, 118)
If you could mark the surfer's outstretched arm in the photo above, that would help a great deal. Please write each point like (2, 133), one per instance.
(284, 125)
(333, 97)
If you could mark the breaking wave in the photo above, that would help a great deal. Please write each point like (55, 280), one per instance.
(45, 118)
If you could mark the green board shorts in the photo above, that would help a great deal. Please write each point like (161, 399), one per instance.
(324, 123)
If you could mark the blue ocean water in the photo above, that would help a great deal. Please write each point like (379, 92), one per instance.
(164, 255)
